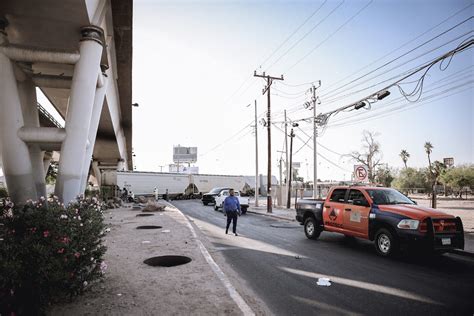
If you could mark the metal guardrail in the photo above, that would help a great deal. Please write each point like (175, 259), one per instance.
(48, 116)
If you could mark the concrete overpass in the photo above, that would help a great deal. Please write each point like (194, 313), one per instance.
(79, 53)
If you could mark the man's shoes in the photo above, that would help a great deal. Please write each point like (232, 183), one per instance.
(236, 234)
(226, 232)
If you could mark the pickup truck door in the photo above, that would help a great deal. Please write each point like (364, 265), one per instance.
(356, 217)
(334, 210)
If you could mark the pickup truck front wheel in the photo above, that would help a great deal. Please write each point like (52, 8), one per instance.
(311, 228)
(386, 243)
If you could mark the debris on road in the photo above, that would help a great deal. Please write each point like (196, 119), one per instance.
(324, 282)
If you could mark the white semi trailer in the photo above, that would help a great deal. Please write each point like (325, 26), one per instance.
(176, 185)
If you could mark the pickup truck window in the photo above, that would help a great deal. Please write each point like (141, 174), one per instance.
(355, 195)
(388, 196)
(338, 195)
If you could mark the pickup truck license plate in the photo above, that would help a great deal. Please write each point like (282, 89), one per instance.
(445, 241)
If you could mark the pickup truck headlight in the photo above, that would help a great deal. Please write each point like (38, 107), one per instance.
(408, 224)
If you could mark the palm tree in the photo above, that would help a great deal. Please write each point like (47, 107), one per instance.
(404, 155)
(428, 150)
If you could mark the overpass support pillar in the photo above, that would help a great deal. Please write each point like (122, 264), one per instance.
(94, 125)
(97, 173)
(16, 159)
(27, 93)
(79, 114)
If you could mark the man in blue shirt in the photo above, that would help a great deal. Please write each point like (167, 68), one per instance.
(232, 210)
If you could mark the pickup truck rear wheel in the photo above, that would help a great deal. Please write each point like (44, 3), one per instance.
(311, 228)
(386, 243)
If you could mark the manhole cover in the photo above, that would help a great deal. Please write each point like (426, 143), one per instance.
(167, 261)
(145, 214)
(149, 227)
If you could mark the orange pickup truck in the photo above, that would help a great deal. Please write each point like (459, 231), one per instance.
(383, 215)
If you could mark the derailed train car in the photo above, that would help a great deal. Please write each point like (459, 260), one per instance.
(175, 185)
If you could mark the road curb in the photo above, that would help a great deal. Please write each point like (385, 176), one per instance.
(272, 215)
(463, 253)
(243, 306)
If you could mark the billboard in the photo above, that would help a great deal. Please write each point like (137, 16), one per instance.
(184, 154)
(449, 162)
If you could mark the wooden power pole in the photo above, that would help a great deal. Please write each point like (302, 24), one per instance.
(269, 125)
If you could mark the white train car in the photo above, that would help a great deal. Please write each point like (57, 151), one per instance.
(205, 182)
(177, 185)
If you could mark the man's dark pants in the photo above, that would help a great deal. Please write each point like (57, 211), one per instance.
(231, 217)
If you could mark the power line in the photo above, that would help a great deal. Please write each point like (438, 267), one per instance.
(463, 46)
(293, 33)
(399, 57)
(435, 86)
(225, 141)
(405, 75)
(403, 45)
(307, 33)
(329, 36)
(387, 71)
(404, 106)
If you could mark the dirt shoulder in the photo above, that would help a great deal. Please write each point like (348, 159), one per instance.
(131, 287)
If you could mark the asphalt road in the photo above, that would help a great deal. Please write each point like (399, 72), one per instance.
(278, 262)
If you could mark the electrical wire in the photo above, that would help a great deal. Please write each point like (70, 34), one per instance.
(403, 55)
(340, 97)
(398, 48)
(293, 33)
(306, 34)
(404, 107)
(459, 76)
(329, 37)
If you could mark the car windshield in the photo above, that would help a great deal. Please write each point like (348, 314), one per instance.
(388, 196)
(215, 191)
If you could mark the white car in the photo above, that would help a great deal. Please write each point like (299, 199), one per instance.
(244, 201)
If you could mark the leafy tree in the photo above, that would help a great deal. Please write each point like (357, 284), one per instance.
(459, 177)
(410, 179)
(371, 154)
(384, 176)
(404, 155)
(52, 172)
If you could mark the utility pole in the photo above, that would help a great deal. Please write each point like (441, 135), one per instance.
(282, 192)
(316, 192)
(288, 201)
(269, 125)
(256, 158)
(287, 161)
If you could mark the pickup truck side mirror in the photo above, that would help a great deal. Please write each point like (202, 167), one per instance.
(361, 202)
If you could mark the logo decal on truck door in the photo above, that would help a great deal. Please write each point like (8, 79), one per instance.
(333, 215)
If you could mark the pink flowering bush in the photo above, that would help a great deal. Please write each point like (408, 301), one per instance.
(48, 252)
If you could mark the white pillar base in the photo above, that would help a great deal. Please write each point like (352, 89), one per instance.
(16, 160)
(79, 114)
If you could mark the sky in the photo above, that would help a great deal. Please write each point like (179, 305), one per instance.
(193, 66)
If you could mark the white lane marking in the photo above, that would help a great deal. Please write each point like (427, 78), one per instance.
(246, 310)
(365, 286)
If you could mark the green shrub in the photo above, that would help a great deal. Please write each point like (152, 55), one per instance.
(48, 252)
(3, 192)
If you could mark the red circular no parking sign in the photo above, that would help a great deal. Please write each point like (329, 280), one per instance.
(360, 173)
